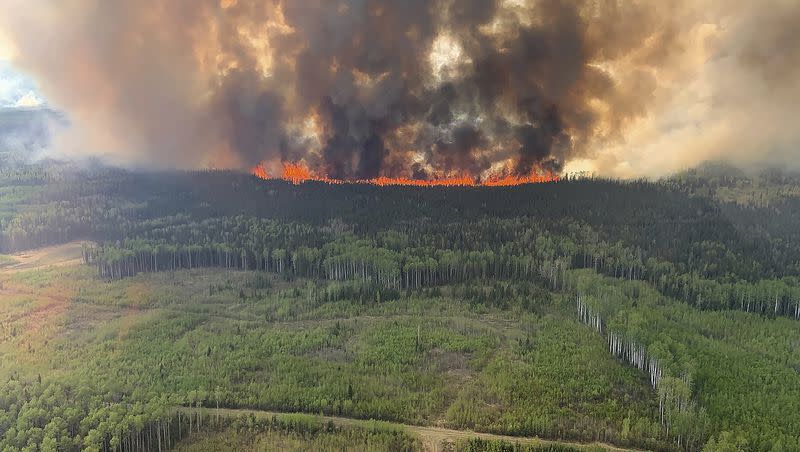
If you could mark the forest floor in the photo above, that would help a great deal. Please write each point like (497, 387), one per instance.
(434, 439)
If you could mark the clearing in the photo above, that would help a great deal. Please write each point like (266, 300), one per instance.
(57, 255)
(434, 439)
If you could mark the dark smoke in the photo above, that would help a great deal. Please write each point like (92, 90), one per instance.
(350, 86)
(459, 153)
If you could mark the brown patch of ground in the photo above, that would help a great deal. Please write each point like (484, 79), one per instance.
(49, 303)
(50, 306)
(39, 316)
(455, 363)
(57, 255)
(87, 316)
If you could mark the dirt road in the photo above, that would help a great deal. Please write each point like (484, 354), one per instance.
(434, 439)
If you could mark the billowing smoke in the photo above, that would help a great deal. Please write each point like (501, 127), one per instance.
(26, 132)
(415, 88)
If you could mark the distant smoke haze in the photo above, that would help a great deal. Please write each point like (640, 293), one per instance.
(418, 88)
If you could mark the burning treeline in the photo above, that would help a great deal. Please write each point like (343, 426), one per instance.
(474, 90)
(298, 173)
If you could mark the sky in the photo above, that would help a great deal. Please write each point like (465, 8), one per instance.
(357, 88)
(16, 88)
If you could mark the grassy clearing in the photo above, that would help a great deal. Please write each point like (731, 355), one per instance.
(6, 261)
(250, 340)
(67, 254)
(229, 429)
(298, 432)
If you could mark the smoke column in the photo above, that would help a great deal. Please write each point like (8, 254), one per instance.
(357, 89)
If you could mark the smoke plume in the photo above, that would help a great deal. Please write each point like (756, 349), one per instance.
(416, 88)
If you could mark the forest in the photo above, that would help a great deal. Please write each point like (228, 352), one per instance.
(589, 313)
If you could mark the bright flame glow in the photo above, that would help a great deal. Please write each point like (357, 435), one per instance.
(260, 172)
(298, 172)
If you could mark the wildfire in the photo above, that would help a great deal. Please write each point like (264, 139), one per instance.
(260, 172)
(508, 180)
(297, 173)
(444, 182)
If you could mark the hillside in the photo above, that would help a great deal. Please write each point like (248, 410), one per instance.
(648, 315)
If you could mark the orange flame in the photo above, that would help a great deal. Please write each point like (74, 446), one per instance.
(297, 173)
(260, 172)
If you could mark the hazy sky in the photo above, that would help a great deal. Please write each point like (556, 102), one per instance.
(622, 88)
(16, 88)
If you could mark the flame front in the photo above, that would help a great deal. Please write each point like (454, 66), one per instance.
(260, 172)
(298, 172)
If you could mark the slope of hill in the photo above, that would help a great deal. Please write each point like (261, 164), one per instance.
(651, 315)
